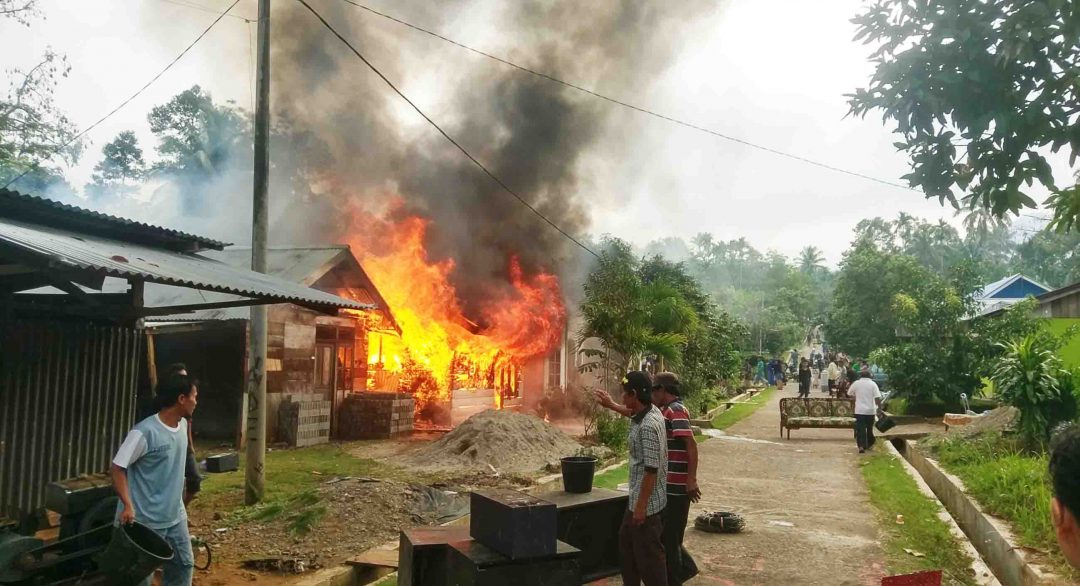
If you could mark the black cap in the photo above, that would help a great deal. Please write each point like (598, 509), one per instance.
(639, 383)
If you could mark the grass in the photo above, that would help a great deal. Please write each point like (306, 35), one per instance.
(292, 479)
(613, 478)
(894, 492)
(1008, 483)
(739, 411)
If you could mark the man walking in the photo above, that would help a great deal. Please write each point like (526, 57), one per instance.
(682, 486)
(867, 401)
(148, 474)
(641, 547)
(834, 373)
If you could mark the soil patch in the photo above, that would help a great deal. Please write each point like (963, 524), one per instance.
(344, 518)
(504, 440)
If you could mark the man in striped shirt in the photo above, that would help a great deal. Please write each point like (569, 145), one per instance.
(682, 487)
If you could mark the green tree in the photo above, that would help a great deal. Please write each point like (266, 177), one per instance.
(811, 259)
(32, 128)
(861, 319)
(1050, 257)
(121, 162)
(196, 137)
(977, 89)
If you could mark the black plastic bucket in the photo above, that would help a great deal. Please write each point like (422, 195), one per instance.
(134, 552)
(577, 473)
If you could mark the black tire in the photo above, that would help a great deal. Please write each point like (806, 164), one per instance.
(99, 514)
(198, 545)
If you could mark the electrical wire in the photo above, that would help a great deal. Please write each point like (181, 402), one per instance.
(444, 133)
(640, 109)
(207, 9)
(83, 132)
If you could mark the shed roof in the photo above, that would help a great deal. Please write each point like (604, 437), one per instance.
(51, 248)
(38, 210)
(304, 265)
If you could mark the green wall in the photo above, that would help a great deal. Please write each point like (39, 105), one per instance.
(1070, 354)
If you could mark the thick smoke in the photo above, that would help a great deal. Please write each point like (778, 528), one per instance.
(351, 140)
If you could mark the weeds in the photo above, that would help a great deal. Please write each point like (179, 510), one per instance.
(893, 492)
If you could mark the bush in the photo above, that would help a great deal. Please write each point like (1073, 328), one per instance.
(1030, 377)
(612, 430)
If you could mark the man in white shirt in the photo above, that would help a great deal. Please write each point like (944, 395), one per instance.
(867, 401)
(148, 475)
(834, 373)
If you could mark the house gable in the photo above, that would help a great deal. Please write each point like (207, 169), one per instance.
(1019, 289)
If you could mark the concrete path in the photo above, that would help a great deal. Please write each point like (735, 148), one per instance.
(809, 520)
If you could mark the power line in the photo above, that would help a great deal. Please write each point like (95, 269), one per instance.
(631, 106)
(206, 9)
(444, 133)
(83, 132)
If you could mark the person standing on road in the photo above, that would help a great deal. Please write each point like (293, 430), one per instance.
(1065, 476)
(682, 486)
(641, 546)
(192, 478)
(148, 475)
(834, 373)
(805, 378)
(867, 402)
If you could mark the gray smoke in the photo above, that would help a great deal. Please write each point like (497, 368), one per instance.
(352, 140)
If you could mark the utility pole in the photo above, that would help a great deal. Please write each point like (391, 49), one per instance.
(254, 475)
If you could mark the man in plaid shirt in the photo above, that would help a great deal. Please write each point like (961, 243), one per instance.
(640, 537)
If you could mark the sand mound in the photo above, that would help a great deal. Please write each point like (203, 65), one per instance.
(509, 441)
(996, 420)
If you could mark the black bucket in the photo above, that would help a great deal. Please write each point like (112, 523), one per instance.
(134, 552)
(577, 473)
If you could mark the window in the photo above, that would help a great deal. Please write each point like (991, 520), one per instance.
(554, 368)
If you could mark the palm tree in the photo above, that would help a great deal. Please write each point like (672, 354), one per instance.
(810, 259)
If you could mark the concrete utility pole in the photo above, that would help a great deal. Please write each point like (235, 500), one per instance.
(254, 477)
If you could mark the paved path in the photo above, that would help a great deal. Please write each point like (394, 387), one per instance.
(811, 482)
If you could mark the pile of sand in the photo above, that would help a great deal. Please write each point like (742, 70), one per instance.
(506, 440)
(1002, 419)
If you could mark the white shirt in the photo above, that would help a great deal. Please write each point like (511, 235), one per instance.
(865, 391)
(834, 371)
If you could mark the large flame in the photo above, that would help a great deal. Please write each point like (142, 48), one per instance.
(438, 341)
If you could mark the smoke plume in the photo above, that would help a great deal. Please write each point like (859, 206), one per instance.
(351, 141)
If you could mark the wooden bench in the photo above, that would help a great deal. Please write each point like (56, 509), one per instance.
(816, 412)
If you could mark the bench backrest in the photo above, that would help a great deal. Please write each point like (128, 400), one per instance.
(817, 407)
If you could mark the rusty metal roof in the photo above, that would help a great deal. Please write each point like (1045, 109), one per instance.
(54, 248)
(38, 210)
(304, 265)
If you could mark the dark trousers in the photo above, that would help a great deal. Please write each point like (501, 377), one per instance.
(680, 566)
(864, 431)
(641, 551)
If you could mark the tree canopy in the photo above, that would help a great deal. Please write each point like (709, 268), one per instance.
(978, 91)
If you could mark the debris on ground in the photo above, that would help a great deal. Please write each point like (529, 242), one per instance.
(501, 439)
(342, 516)
(998, 420)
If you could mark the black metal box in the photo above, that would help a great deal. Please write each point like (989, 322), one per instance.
(590, 522)
(470, 563)
(78, 494)
(223, 462)
(515, 524)
(423, 552)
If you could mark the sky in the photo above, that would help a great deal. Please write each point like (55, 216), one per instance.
(772, 73)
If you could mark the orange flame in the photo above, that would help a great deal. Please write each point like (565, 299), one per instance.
(523, 320)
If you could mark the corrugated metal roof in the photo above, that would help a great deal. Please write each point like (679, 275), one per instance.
(301, 264)
(38, 210)
(58, 248)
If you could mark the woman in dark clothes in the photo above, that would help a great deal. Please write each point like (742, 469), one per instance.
(805, 375)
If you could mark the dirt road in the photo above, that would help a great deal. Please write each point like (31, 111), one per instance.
(809, 520)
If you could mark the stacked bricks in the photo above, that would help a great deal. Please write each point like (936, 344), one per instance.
(375, 415)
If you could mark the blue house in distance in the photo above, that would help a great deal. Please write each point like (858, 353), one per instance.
(1005, 292)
